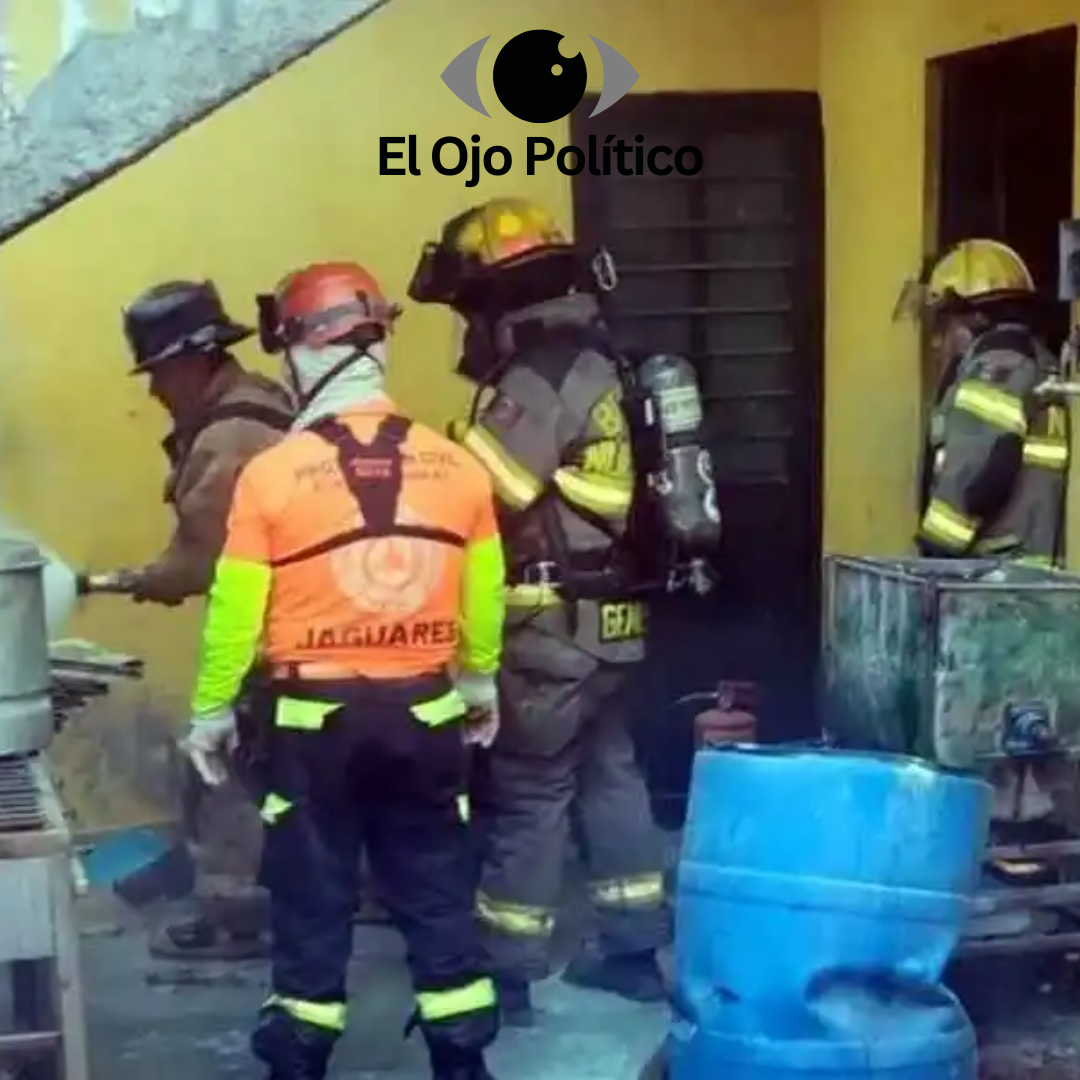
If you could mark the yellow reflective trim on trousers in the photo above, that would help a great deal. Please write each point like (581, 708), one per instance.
(1046, 453)
(1040, 562)
(515, 486)
(992, 405)
(435, 1005)
(598, 494)
(464, 809)
(532, 596)
(440, 710)
(273, 806)
(947, 526)
(997, 545)
(643, 890)
(517, 919)
(299, 714)
(328, 1015)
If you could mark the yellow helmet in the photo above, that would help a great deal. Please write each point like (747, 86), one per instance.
(504, 229)
(979, 271)
(484, 240)
(970, 274)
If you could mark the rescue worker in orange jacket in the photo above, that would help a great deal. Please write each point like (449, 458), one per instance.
(556, 441)
(996, 454)
(180, 335)
(363, 554)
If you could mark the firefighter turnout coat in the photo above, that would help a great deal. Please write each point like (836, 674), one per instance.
(996, 456)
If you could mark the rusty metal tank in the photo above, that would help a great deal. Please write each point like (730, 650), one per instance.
(26, 715)
(963, 662)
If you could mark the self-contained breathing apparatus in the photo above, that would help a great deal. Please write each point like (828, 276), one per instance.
(674, 523)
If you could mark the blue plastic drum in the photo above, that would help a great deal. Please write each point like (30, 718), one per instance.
(820, 896)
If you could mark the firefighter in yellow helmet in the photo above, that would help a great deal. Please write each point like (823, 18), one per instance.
(555, 438)
(996, 452)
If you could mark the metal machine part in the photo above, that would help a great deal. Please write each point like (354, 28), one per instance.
(26, 710)
(39, 941)
(118, 582)
(974, 664)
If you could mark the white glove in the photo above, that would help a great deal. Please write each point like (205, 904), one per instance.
(208, 743)
(481, 696)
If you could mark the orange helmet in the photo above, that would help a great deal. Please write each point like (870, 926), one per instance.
(325, 304)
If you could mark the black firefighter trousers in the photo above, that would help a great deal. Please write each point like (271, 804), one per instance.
(564, 760)
(362, 771)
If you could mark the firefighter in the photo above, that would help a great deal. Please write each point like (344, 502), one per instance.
(555, 439)
(180, 338)
(995, 470)
(363, 552)
(997, 451)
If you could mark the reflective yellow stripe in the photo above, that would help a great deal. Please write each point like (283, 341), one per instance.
(532, 596)
(516, 919)
(441, 710)
(298, 714)
(514, 485)
(1040, 562)
(1018, 867)
(997, 545)
(444, 1004)
(464, 808)
(273, 806)
(948, 527)
(645, 890)
(235, 611)
(483, 606)
(992, 405)
(329, 1015)
(1046, 453)
(601, 495)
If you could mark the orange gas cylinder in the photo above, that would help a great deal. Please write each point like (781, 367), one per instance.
(732, 720)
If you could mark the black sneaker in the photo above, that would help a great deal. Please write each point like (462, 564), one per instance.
(636, 977)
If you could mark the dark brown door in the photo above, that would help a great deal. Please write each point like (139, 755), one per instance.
(1006, 127)
(726, 267)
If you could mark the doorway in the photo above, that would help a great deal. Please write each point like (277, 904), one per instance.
(1001, 123)
(726, 268)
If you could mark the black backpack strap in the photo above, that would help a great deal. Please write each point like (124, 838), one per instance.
(373, 471)
(374, 474)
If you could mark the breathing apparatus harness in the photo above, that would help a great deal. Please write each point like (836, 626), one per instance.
(644, 559)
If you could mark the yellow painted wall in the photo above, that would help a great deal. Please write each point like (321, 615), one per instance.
(288, 173)
(873, 55)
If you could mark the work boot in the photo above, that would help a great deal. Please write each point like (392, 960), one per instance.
(634, 976)
(292, 1049)
(196, 937)
(450, 1063)
(515, 1003)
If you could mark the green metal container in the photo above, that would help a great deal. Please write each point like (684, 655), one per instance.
(962, 662)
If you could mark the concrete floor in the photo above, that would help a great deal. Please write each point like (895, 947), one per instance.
(153, 1020)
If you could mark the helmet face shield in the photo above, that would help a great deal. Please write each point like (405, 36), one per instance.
(437, 276)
